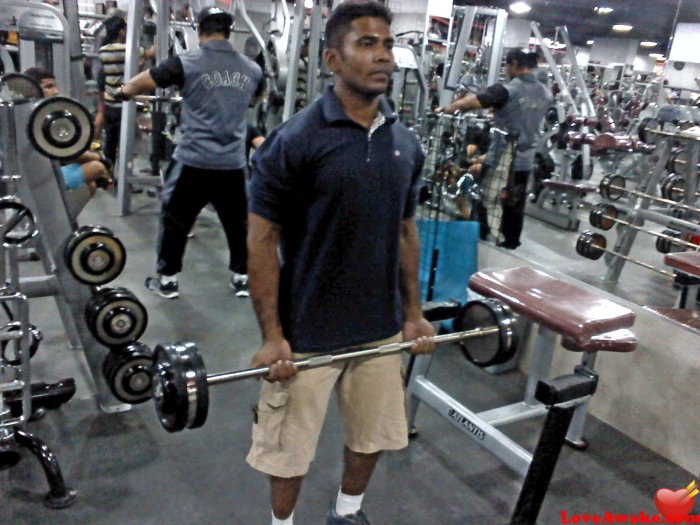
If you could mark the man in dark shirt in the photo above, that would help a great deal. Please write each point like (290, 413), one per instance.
(519, 108)
(335, 189)
(217, 86)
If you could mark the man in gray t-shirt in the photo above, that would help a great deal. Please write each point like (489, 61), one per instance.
(217, 85)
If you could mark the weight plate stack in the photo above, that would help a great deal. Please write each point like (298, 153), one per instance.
(493, 349)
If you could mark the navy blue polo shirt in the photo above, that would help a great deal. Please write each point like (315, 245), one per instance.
(340, 194)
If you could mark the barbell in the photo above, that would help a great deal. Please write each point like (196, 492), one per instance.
(593, 245)
(605, 216)
(612, 187)
(181, 384)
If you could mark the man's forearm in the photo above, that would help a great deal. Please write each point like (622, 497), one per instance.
(465, 104)
(139, 84)
(409, 262)
(264, 274)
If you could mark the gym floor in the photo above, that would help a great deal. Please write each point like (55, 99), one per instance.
(127, 469)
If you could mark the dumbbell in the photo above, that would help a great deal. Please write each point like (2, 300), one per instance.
(94, 255)
(115, 317)
(605, 216)
(594, 245)
(181, 384)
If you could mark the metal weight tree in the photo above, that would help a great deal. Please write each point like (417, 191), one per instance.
(47, 123)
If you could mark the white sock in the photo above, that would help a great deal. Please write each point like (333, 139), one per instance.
(240, 277)
(347, 505)
(165, 279)
(288, 521)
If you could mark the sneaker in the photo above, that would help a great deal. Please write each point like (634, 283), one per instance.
(239, 284)
(167, 290)
(332, 518)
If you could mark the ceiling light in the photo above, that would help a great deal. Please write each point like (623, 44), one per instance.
(603, 10)
(648, 44)
(622, 28)
(308, 4)
(657, 56)
(589, 42)
(520, 8)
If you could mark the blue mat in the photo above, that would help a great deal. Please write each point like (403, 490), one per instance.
(457, 257)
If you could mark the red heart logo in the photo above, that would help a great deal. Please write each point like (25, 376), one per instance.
(672, 505)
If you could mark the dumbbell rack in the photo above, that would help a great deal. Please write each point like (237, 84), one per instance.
(42, 189)
(639, 205)
(16, 375)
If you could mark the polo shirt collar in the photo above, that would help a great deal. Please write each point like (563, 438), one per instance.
(333, 109)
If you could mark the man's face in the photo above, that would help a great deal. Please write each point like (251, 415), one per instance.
(48, 86)
(511, 68)
(365, 61)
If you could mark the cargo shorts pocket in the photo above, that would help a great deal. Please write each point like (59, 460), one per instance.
(268, 418)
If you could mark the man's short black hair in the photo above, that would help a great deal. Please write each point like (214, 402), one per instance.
(113, 25)
(523, 58)
(38, 74)
(339, 22)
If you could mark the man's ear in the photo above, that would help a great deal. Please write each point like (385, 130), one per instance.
(332, 57)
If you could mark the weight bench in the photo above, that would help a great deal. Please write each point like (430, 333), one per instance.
(687, 266)
(587, 324)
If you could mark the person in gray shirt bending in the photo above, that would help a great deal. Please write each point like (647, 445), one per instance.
(217, 85)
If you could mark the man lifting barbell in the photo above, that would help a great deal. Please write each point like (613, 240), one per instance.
(335, 188)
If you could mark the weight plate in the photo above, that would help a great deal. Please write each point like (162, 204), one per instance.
(673, 188)
(94, 255)
(646, 124)
(35, 338)
(22, 86)
(115, 317)
(612, 187)
(18, 221)
(129, 373)
(589, 245)
(60, 128)
(603, 216)
(487, 350)
(180, 389)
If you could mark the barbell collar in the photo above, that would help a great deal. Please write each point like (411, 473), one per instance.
(327, 359)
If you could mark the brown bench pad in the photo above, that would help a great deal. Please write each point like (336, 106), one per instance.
(686, 262)
(621, 340)
(689, 318)
(571, 311)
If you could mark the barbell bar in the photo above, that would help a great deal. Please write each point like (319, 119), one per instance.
(593, 245)
(181, 385)
(605, 216)
(608, 183)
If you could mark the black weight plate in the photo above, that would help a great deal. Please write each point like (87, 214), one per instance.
(199, 407)
(115, 317)
(94, 255)
(487, 350)
(673, 188)
(129, 373)
(22, 86)
(173, 386)
(60, 128)
(35, 338)
(18, 220)
(603, 216)
(664, 245)
(646, 124)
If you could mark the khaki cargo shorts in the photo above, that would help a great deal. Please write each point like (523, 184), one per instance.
(290, 414)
